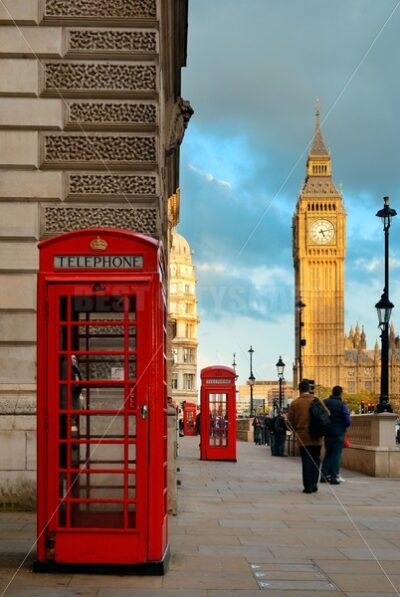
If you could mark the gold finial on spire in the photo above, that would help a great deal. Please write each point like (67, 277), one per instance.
(317, 106)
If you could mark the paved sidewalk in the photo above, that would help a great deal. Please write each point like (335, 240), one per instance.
(246, 530)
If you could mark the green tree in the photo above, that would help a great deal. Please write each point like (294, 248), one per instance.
(353, 401)
(322, 392)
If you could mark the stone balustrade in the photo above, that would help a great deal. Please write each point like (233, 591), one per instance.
(244, 430)
(373, 449)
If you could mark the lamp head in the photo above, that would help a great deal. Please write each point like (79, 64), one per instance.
(386, 213)
(280, 367)
(384, 309)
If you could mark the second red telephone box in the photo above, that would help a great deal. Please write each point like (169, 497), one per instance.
(218, 414)
(189, 418)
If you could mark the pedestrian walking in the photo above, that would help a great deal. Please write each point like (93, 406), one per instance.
(198, 423)
(272, 434)
(267, 432)
(280, 428)
(310, 448)
(334, 439)
(257, 431)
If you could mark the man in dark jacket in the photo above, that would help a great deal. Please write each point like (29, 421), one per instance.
(334, 439)
(280, 428)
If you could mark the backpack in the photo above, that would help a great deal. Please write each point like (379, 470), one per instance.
(320, 419)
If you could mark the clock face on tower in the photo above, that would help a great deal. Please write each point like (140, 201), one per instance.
(322, 231)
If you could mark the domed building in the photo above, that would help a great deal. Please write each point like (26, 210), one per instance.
(183, 313)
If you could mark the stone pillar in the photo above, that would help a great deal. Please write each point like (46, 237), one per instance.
(373, 449)
(383, 430)
(244, 430)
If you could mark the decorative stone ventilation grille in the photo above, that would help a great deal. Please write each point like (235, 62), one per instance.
(107, 184)
(66, 219)
(100, 367)
(111, 113)
(102, 330)
(100, 76)
(101, 8)
(91, 148)
(113, 40)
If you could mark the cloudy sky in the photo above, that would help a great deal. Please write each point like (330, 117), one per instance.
(255, 69)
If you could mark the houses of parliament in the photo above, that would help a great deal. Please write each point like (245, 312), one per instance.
(329, 355)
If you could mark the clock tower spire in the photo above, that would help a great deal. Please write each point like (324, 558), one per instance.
(318, 255)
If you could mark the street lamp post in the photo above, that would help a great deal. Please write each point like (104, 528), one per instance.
(280, 367)
(252, 380)
(302, 342)
(234, 365)
(384, 308)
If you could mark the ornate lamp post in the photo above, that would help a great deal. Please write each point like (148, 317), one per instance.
(384, 308)
(302, 342)
(280, 367)
(252, 380)
(234, 364)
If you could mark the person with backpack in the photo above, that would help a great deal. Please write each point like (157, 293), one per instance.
(334, 438)
(299, 419)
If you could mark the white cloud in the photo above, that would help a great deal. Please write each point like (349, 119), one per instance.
(210, 177)
(211, 267)
(264, 277)
(368, 265)
(375, 265)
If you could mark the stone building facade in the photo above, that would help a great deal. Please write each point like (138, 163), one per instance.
(183, 314)
(265, 393)
(362, 366)
(91, 119)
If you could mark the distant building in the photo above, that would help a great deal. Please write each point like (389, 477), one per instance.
(183, 315)
(362, 366)
(264, 395)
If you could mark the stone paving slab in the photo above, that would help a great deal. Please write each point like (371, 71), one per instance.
(276, 593)
(358, 566)
(239, 519)
(106, 592)
(204, 579)
(367, 582)
(46, 591)
(209, 563)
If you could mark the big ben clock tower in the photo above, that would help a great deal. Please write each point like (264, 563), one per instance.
(319, 243)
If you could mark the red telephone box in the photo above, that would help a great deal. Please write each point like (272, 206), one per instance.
(218, 414)
(102, 402)
(189, 418)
